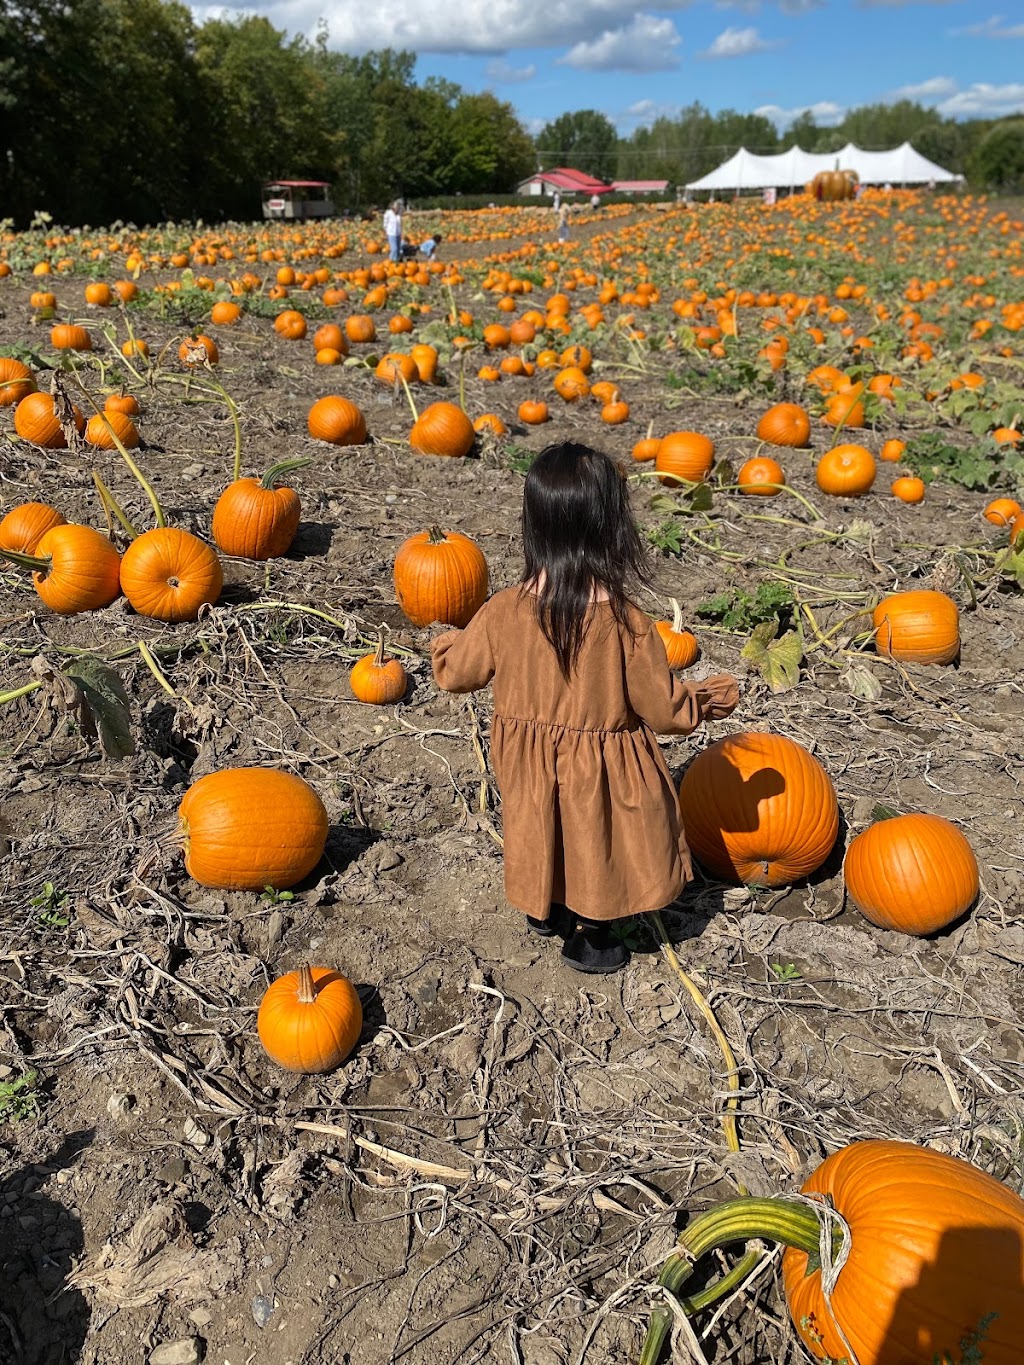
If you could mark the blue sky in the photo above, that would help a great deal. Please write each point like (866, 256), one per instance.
(633, 62)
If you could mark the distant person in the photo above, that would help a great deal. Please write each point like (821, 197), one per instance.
(393, 229)
(556, 201)
(430, 245)
(563, 223)
(595, 200)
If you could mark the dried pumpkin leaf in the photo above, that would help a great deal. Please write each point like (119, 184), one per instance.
(106, 702)
(777, 660)
(861, 682)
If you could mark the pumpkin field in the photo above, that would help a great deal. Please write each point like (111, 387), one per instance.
(224, 762)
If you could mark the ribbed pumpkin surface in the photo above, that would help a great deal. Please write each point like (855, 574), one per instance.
(921, 627)
(311, 1037)
(83, 573)
(685, 455)
(440, 580)
(759, 809)
(443, 429)
(168, 574)
(248, 828)
(936, 1248)
(256, 522)
(25, 525)
(915, 873)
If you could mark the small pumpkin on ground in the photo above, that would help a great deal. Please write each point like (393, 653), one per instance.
(442, 429)
(681, 647)
(248, 828)
(76, 569)
(310, 1020)
(908, 489)
(16, 381)
(1002, 511)
(378, 680)
(846, 471)
(785, 424)
(684, 456)
(336, 420)
(440, 576)
(761, 477)
(254, 519)
(67, 336)
(759, 809)
(922, 627)
(24, 526)
(168, 574)
(100, 426)
(913, 873)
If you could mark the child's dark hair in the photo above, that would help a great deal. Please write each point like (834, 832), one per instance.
(578, 530)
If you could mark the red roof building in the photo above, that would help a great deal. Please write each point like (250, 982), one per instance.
(564, 180)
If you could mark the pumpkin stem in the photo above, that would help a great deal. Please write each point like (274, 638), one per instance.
(20, 691)
(677, 614)
(268, 478)
(307, 989)
(112, 507)
(378, 658)
(787, 1221)
(24, 561)
(435, 536)
(233, 411)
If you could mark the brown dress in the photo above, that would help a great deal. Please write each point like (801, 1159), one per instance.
(590, 813)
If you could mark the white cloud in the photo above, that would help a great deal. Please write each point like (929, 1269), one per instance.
(647, 44)
(826, 114)
(996, 27)
(984, 101)
(478, 26)
(937, 88)
(642, 114)
(738, 42)
(503, 73)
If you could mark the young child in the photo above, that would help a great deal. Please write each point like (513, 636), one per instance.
(581, 688)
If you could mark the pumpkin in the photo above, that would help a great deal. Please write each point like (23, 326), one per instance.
(442, 429)
(921, 627)
(440, 576)
(844, 409)
(101, 425)
(65, 336)
(168, 574)
(43, 299)
(135, 347)
(378, 680)
(491, 423)
(76, 569)
(425, 358)
(615, 413)
(785, 424)
(290, 324)
(892, 451)
(497, 337)
(336, 420)
(360, 328)
(826, 378)
(571, 384)
(913, 873)
(224, 313)
(1017, 531)
(255, 520)
(25, 525)
(122, 402)
(310, 1020)
(846, 471)
(200, 342)
(934, 1253)
(99, 294)
(1006, 436)
(16, 381)
(533, 411)
(909, 488)
(761, 476)
(248, 828)
(646, 449)
(759, 809)
(1001, 511)
(399, 324)
(35, 420)
(684, 456)
(396, 363)
(681, 647)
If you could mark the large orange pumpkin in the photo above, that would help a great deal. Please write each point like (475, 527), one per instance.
(35, 420)
(310, 1020)
(846, 471)
(684, 456)
(759, 809)
(16, 381)
(24, 526)
(785, 424)
(440, 576)
(249, 828)
(103, 427)
(253, 519)
(337, 420)
(77, 569)
(442, 429)
(168, 574)
(921, 627)
(915, 873)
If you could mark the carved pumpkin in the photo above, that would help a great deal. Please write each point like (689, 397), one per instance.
(193, 344)
(16, 381)
(336, 420)
(785, 424)
(378, 680)
(440, 576)
(248, 828)
(310, 1020)
(846, 471)
(684, 456)
(255, 520)
(914, 873)
(761, 476)
(442, 429)
(681, 647)
(76, 569)
(25, 525)
(168, 574)
(921, 627)
(759, 809)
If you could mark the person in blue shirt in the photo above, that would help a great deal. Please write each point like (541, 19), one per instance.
(430, 244)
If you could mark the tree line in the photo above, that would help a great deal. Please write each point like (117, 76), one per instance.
(131, 110)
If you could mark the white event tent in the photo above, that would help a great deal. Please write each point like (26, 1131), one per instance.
(794, 168)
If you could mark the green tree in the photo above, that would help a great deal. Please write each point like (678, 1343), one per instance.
(585, 141)
(999, 159)
(492, 151)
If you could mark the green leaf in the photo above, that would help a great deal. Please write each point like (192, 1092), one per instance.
(700, 498)
(106, 702)
(883, 813)
(777, 660)
(1010, 563)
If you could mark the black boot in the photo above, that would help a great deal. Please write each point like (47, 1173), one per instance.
(593, 948)
(559, 921)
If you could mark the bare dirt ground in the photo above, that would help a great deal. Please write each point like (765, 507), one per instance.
(498, 1171)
